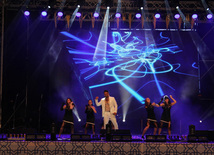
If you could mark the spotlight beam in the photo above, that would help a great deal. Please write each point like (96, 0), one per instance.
(207, 8)
(119, 6)
(98, 7)
(73, 16)
(102, 41)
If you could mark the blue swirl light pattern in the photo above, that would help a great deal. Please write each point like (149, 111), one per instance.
(128, 57)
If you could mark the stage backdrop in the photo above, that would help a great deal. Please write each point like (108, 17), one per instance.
(132, 64)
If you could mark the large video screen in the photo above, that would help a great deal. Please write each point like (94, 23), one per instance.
(132, 65)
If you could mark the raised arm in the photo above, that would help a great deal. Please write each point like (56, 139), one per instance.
(96, 101)
(174, 101)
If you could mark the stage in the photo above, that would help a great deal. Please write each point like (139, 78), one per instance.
(103, 147)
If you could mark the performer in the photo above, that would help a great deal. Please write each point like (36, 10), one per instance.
(90, 110)
(109, 109)
(68, 116)
(150, 116)
(166, 118)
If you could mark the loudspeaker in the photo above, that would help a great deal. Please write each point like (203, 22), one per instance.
(41, 137)
(53, 132)
(150, 138)
(192, 138)
(205, 133)
(35, 137)
(156, 138)
(161, 138)
(30, 137)
(75, 137)
(192, 130)
(80, 137)
(108, 132)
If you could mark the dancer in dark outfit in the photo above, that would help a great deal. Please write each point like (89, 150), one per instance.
(90, 110)
(150, 116)
(68, 116)
(166, 117)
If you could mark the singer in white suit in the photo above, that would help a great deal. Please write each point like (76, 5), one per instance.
(109, 109)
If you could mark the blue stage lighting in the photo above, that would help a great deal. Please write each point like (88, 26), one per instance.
(60, 14)
(44, 13)
(96, 14)
(138, 15)
(177, 16)
(209, 16)
(194, 16)
(27, 13)
(117, 15)
(78, 14)
(157, 15)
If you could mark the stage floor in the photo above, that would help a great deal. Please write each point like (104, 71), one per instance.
(105, 148)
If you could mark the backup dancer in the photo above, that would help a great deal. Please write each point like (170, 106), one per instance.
(68, 116)
(150, 116)
(90, 110)
(166, 117)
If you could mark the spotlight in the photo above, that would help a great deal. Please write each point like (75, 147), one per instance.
(49, 6)
(117, 15)
(78, 6)
(96, 14)
(138, 15)
(194, 16)
(209, 16)
(44, 13)
(27, 13)
(141, 8)
(79, 120)
(78, 14)
(124, 120)
(157, 15)
(177, 16)
(108, 7)
(177, 7)
(208, 9)
(200, 121)
(60, 14)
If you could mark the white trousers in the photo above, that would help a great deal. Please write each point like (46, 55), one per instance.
(109, 116)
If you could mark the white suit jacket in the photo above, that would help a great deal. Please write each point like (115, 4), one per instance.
(112, 104)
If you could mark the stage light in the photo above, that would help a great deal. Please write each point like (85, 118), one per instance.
(141, 8)
(208, 9)
(209, 16)
(157, 15)
(49, 6)
(26, 13)
(200, 121)
(108, 7)
(44, 13)
(78, 14)
(117, 15)
(79, 120)
(194, 16)
(96, 14)
(124, 120)
(177, 16)
(78, 6)
(177, 7)
(60, 14)
(138, 15)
